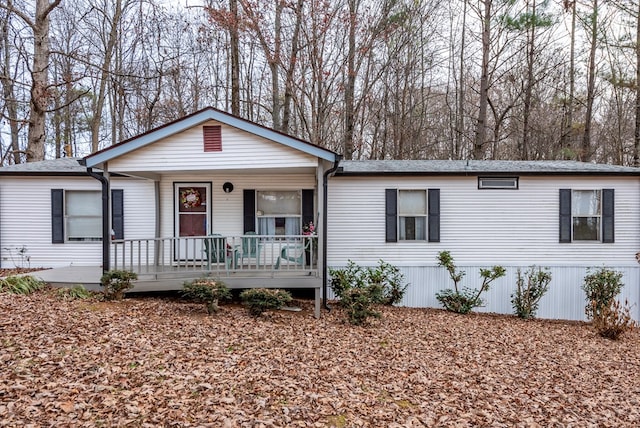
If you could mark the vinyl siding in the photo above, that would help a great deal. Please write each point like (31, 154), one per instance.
(564, 299)
(518, 227)
(481, 228)
(185, 151)
(25, 219)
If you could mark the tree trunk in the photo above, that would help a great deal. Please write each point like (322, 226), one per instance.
(567, 132)
(350, 85)
(526, 112)
(585, 149)
(636, 147)
(481, 126)
(459, 138)
(293, 60)
(235, 58)
(96, 119)
(39, 81)
(8, 92)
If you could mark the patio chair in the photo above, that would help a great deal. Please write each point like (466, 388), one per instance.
(250, 248)
(294, 254)
(215, 250)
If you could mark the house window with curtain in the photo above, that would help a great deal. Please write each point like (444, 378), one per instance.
(586, 214)
(279, 212)
(412, 215)
(83, 215)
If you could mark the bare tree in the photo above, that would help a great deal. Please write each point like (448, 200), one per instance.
(585, 148)
(8, 91)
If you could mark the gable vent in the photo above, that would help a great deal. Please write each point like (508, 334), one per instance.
(212, 138)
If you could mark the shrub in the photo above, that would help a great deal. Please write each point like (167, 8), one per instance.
(116, 282)
(390, 280)
(77, 292)
(613, 320)
(207, 291)
(342, 280)
(459, 300)
(527, 297)
(21, 284)
(385, 283)
(358, 303)
(259, 300)
(601, 287)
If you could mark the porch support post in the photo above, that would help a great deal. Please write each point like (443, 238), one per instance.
(325, 186)
(158, 220)
(106, 218)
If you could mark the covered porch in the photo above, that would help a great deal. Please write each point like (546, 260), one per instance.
(225, 198)
(164, 264)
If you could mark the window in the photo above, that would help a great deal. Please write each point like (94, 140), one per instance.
(498, 183)
(412, 215)
(83, 215)
(279, 212)
(587, 215)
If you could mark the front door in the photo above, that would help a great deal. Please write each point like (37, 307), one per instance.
(192, 214)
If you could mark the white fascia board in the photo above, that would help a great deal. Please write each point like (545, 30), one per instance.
(201, 117)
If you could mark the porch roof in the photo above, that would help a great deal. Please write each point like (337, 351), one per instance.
(197, 118)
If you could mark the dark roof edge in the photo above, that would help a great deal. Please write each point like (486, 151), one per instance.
(46, 173)
(56, 174)
(340, 173)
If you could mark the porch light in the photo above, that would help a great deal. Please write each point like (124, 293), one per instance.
(227, 187)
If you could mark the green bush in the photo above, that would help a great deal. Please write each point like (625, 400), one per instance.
(601, 287)
(358, 304)
(459, 300)
(527, 297)
(25, 284)
(116, 282)
(259, 300)
(385, 283)
(342, 280)
(207, 291)
(77, 292)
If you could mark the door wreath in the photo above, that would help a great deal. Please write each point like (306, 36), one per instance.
(190, 198)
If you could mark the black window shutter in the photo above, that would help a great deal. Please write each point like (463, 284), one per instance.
(391, 214)
(434, 215)
(249, 198)
(117, 213)
(307, 206)
(57, 216)
(565, 215)
(608, 216)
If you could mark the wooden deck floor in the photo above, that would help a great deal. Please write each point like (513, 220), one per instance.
(89, 277)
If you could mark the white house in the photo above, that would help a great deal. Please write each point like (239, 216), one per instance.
(215, 194)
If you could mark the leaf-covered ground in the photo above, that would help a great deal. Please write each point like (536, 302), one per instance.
(163, 362)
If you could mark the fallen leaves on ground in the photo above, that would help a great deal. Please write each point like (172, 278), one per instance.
(163, 362)
(17, 271)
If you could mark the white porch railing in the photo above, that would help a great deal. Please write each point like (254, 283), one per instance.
(255, 255)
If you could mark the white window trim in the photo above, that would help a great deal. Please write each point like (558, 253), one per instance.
(425, 215)
(68, 217)
(598, 216)
(261, 215)
(510, 183)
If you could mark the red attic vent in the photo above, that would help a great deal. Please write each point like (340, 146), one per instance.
(212, 136)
